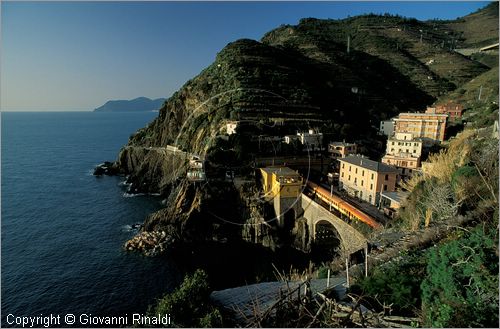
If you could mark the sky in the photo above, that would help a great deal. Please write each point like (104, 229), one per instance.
(63, 56)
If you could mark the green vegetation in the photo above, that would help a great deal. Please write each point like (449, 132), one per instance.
(461, 285)
(189, 305)
(454, 284)
(396, 284)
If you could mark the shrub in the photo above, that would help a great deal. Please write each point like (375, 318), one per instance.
(461, 285)
(397, 283)
(189, 304)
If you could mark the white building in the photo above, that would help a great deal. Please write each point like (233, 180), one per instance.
(311, 140)
(231, 127)
(404, 143)
(404, 152)
(387, 127)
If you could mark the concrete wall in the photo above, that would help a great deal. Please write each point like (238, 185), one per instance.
(351, 240)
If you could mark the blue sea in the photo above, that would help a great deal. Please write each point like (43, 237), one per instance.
(62, 228)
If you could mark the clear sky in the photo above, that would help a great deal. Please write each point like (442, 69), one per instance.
(77, 55)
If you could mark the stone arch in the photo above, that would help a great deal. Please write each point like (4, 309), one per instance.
(327, 240)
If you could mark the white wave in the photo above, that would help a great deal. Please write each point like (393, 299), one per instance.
(126, 228)
(132, 195)
(124, 183)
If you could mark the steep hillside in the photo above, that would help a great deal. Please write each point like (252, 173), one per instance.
(416, 49)
(250, 80)
(476, 30)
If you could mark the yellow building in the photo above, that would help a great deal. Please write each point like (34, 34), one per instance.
(280, 181)
(282, 186)
(430, 127)
(365, 178)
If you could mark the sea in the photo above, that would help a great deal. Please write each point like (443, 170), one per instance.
(62, 229)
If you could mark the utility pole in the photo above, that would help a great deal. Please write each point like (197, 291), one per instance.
(366, 259)
(347, 271)
(348, 44)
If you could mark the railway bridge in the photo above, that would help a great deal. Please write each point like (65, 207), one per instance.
(324, 226)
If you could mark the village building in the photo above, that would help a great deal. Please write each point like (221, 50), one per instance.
(430, 127)
(366, 179)
(387, 127)
(454, 110)
(403, 152)
(393, 201)
(282, 186)
(231, 127)
(342, 149)
(196, 170)
(311, 140)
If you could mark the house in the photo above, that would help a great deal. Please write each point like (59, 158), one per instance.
(403, 152)
(430, 127)
(387, 127)
(282, 187)
(392, 202)
(342, 149)
(454, 110)
(196, 170)
(231, 127)
(404, 143)
(311, 140)
(281, 182)
(365, 178)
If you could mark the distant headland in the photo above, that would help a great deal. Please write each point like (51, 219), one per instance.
(139, 104)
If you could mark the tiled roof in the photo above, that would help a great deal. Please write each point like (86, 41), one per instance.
(366, 163)
(280, 171)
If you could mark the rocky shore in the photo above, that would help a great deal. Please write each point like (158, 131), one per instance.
(149, 243)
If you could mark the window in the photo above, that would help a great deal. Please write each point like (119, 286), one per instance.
(385, 187)
(355, 180)
(342, 175)
(414, 151)
(362, 173)
(386, 177)
(343, 165)
(349, 168)
(361, 182)
(372, 176)
(356, 171)
(371, 186)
